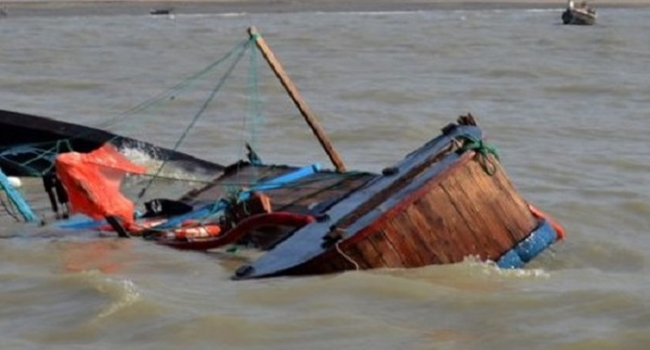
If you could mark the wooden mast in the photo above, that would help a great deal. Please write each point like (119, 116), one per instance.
(310, 118)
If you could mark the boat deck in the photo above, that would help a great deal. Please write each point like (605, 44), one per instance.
(312, 193)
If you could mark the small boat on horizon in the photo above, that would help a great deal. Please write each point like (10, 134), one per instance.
(583, 14)
(162, 11)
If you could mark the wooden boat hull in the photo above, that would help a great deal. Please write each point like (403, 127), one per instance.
(438, 206)
(578, 17)
(29, 144)
(445, 202)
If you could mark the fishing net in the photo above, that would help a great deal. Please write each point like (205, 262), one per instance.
(183, 113)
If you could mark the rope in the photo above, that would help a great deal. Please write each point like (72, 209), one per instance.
(241, 50)
(483, 150)
(254, 119)
(347, 257)
(9, 208)
(40, 152)
(47, 151)
(172, 92)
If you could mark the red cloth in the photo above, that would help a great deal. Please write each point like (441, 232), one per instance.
(93, 182)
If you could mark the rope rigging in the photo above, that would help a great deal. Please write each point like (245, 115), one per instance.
(38, 159)
(483, 150)
(252, 124)
(240, 52)
(47, 151)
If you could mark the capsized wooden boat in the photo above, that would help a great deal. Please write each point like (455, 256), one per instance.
(446, 201)
(29, 145)
(443, 203)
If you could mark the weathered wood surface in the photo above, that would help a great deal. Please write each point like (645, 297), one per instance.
(468, 213)
(306, 195)
(382, 198)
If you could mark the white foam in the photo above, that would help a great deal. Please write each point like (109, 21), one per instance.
(15, 182)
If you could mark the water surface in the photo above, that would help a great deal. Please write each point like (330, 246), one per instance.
(567, 108)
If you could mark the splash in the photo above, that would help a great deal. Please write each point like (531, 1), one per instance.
(123, 294)
(163, 169)
(490, 268)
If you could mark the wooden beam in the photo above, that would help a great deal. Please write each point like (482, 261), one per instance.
(288, 85)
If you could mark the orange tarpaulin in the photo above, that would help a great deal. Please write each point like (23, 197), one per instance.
(93, 182)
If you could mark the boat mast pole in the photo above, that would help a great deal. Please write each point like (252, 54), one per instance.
(288, 85)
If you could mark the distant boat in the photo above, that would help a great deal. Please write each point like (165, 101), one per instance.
(162, 11)
(581, 15)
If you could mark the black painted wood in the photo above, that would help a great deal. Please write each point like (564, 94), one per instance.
(25, 138)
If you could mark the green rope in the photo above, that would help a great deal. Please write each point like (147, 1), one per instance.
(175, 90)
(254, 118)
(62, 145)
(483, 150)
(234, 249)
(240, 52)
(48, 155)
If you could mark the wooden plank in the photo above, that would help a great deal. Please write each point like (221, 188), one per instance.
(388, 252)
(520, 207)
(295, 96)
(494, 224)
(482, 227)
(514, 215)
(368, 253)
(392, 235)
(315, 190)
(427, 196)
(492, 199)
(451, 229)
(407, 230)
(429, 236)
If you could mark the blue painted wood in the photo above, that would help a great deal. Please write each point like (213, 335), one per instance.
(538, 240)
(222, 204)
(17, 199)
(209, 209)
(307, 243)
(79, 222)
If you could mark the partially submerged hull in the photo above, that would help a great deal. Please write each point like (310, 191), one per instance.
(29, 145)
(446, 201)
(440, 205)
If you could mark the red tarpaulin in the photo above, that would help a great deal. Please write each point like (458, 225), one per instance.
(93, 182)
